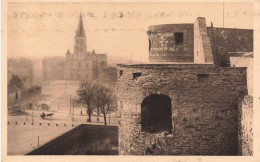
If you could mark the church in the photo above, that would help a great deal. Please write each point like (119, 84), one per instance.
(83, 65)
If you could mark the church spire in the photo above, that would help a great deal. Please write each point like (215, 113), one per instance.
(68, 52)
(93, 52)
(80, 30)
(80, 46)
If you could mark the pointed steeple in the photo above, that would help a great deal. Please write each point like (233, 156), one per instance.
(93, 52)
(80, 30)
(68, 52)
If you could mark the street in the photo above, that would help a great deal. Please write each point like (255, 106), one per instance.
(22, 134)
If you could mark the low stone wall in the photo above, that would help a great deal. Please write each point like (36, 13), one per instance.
(83, 140)
(204, 108)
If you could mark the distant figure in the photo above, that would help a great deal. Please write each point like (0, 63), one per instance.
(81, 112)
(43, 115)
(49, 114)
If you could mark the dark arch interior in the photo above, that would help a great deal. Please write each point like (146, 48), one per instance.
(156, 113)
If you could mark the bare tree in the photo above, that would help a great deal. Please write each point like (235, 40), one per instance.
(86, 95)
(104, 101)
(17, 81)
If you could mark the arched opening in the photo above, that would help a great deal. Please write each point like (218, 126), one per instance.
(156, 113)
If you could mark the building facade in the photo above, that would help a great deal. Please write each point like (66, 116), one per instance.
(81, 64)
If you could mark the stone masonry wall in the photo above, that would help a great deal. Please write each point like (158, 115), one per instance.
(225, 40)
(163, 45)
(231, 40)
(204, 110)
(247, 62)
(246, 125)
(202, 44)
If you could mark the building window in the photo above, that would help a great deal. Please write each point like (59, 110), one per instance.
(178, 38)
(156, 114)
(136, 75)
(225, 63)
(120, 72)
(202, 77)
(79, 64)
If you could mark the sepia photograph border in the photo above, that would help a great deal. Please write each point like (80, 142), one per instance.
(79, 158)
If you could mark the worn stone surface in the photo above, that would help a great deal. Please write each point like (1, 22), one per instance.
(204, 110)
(246, 125)
(202, 44)
(224, 40)
(163, 46)
(247, 62)
(231, 40)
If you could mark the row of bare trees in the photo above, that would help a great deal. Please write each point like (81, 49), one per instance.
(97, 98)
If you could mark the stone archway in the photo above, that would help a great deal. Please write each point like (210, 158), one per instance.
(156, 113)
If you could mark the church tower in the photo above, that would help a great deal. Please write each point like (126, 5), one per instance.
(80, 46)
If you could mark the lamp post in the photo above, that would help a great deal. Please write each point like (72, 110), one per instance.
(97, 114)
(70, 103)
(73, 111)
(32, 116)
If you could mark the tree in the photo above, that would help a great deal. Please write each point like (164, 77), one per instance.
(86, 95)
(104, 101)
(17, 81)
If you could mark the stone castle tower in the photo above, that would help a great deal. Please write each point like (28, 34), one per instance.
(182, 103)
(83, 65)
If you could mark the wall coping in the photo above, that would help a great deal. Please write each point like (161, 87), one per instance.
(173, 66)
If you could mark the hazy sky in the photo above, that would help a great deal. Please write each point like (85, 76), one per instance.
(118, 29)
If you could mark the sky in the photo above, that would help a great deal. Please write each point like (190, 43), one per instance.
(38, 30)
